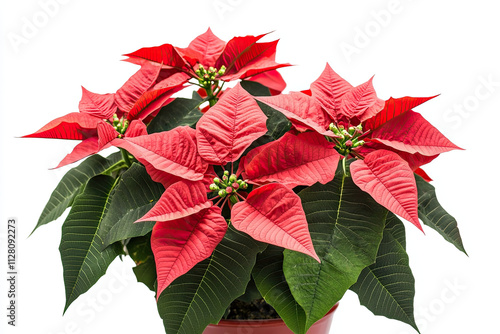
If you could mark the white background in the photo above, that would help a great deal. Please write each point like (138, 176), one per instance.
(415, 48)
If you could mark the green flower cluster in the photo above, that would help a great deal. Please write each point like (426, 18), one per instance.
(120, 125)
(207, 78)
(228, 186)
(347, 139)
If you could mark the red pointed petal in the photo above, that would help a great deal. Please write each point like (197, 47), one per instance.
(420, 172)
(241, 168)
(136, 128)
(294, 160)
(414, 160)
(233, 57)
(105, 133)
(172, 151)
(394, 107)
(180, 244)
(171, 81)
(254, 68)
(181, 199)
(361, 102)
(153, 100)
(138, 83)
(165, 54)
(166, 179)
(204, 49)
(410, 132)
(227, 129)
(328, 90)
(390, 181)
(76, 126)
(272, 80)
(97, 105)
(304, 112)
(244, 161)
(244, 57)
(273, 214)
(84, 149)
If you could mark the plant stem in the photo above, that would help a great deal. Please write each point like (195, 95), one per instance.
(119, 165)
(217, 91)
(125, 157)
(213, 94)
(220, 199)
(212, 101)
(196, 84)
(346, 173)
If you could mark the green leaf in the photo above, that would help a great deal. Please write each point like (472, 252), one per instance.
(83, 262)
(277, 123)
(146, 273)
(179, 112)
(346, 227)
(251, 294)
(255, 88)
(433, 214)
(395, 229)
(387, 287)
(202, 295)
(72, 184)
(270, 280)
(195, 96)
(135, 194)
(140, 251)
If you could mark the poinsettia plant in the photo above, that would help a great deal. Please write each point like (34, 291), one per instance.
(245, 192)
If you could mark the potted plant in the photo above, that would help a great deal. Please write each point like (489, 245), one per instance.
(242, 196)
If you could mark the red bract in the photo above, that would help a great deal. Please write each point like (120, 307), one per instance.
(386, 176)
(104, 117)
(271, 213)
(181, 243)
(241, 57)
(274, 214)
(389, 140)
(293, 160)
(228, 128)
(174, 152)
(398, 128)
(180, 200)
(272, 80)
(303, 111)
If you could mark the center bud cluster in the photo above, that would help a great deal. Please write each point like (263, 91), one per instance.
(347, 139)
(207, 78)
(119, 124)
(228, 186)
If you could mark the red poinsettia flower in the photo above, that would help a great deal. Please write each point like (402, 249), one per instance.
(189, 221)
(210, 59)
(388, 139)
(103, 117)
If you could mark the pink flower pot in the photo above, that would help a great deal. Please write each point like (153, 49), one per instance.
(270, 326)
